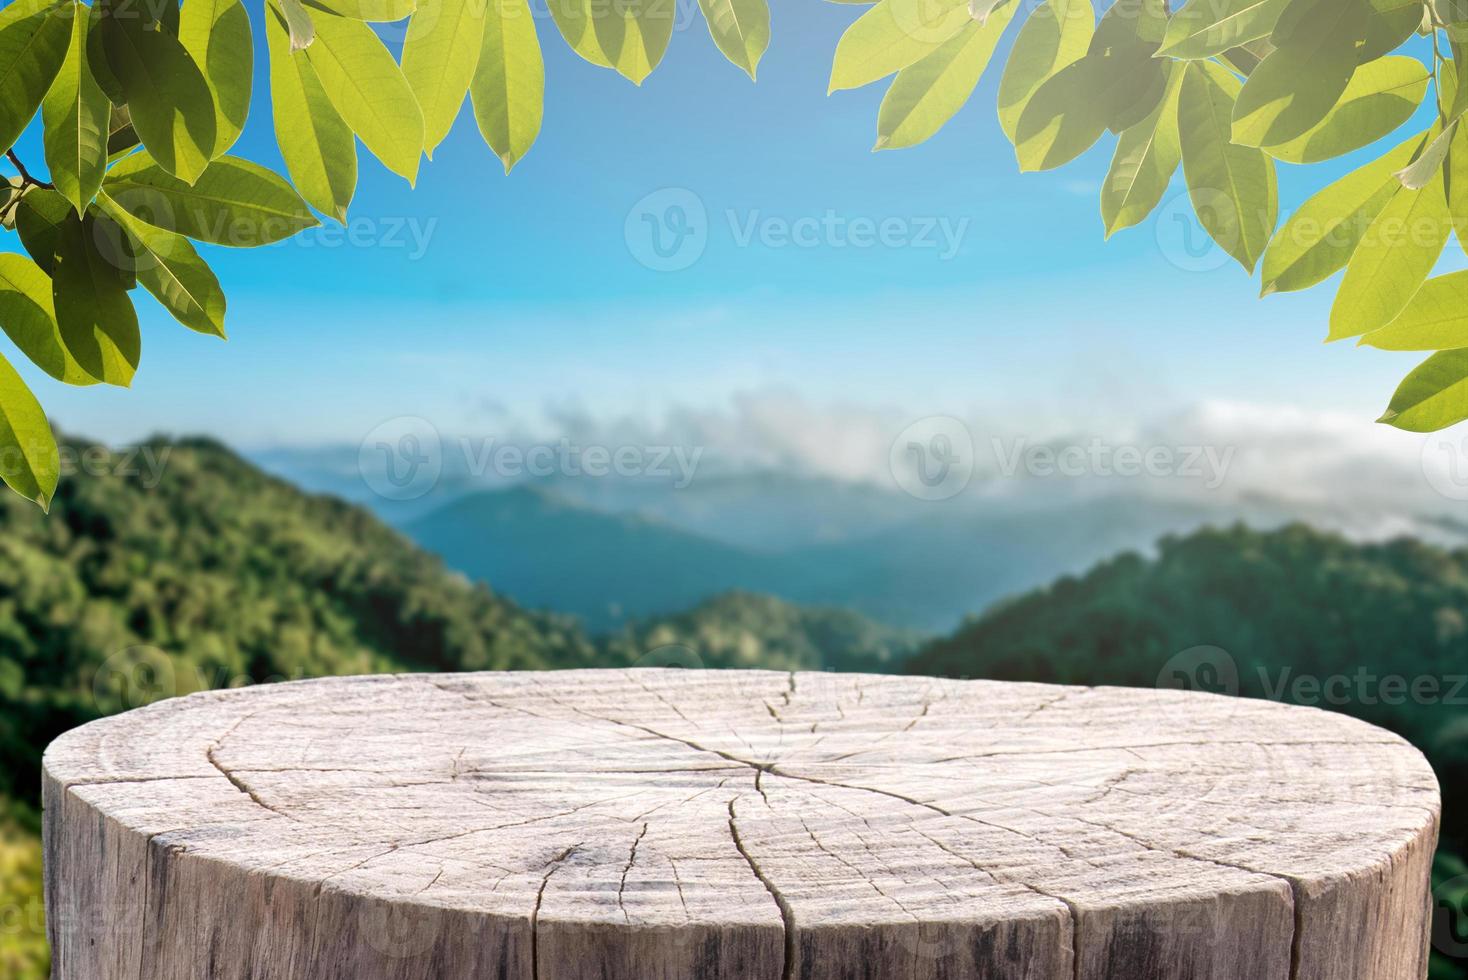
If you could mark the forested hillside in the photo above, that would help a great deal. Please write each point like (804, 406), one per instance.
(211, 573)
(181, 567)
(741, 629)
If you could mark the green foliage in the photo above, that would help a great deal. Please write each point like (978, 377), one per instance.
(1433, 396)
(23, 951)
(34, 36)
(180, 567)
(1284, 604)
(925, 95)
(140, 104)
(140, 107)
(509, 82)
(1232, 186)
(1321, 237)
(1147, 155)
(1231, 88)
(77, 114)
(745, 630)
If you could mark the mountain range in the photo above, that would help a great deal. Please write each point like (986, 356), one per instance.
(219, 574)
(610, 554)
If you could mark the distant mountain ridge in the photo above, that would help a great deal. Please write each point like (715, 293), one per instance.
(607, 569)
(913, 565)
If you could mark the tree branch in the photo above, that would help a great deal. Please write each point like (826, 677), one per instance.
(25, 175)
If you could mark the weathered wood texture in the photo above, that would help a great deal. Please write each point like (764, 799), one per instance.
(672, 825)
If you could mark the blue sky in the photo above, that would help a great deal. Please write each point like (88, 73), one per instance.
(522, 291)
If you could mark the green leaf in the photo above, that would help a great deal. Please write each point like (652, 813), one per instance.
(34, 37)
(1063, 119)
(1427, 166)
(368, 10)
(509, 85)
(317, 145)
(1434, 396)
(1057, 34)
(924, 96)
(234, 202)
(1394, 259)
(368, 89)
(1320, 238)
(121, 137)
(575, 20)
(95, 315)
(634, 34)
(1129, 81)
(1247, 57)
(169, 99)
(1116, 85)
(1435, 319)
(1132, 23)
(167, 266)
(439, 57)
(1233, 188)
(740, 29)
(1457, 169)
(38, 221)
(28, 316)
(1380, 97)
(34, 467)
(299, 23)
(630, 36)
(1147, 155)
(1294, 88)
(1452, 90)
(982, 10)
(10, 188)
(216, 34)
(97, 56)
(76, 114)
(1204, 28)
(893, 35)
(1389, 24)
(1448, 12)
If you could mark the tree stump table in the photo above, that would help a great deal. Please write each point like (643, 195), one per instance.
(672, 825)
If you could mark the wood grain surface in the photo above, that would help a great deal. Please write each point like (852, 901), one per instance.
(673, 825)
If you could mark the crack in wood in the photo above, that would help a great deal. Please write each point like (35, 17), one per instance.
(631, 860)
(550, 870)
(787, 916)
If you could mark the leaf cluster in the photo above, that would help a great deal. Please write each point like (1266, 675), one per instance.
(1226, 91)
(140, 102)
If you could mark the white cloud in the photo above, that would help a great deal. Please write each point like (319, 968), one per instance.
(1292, 456)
